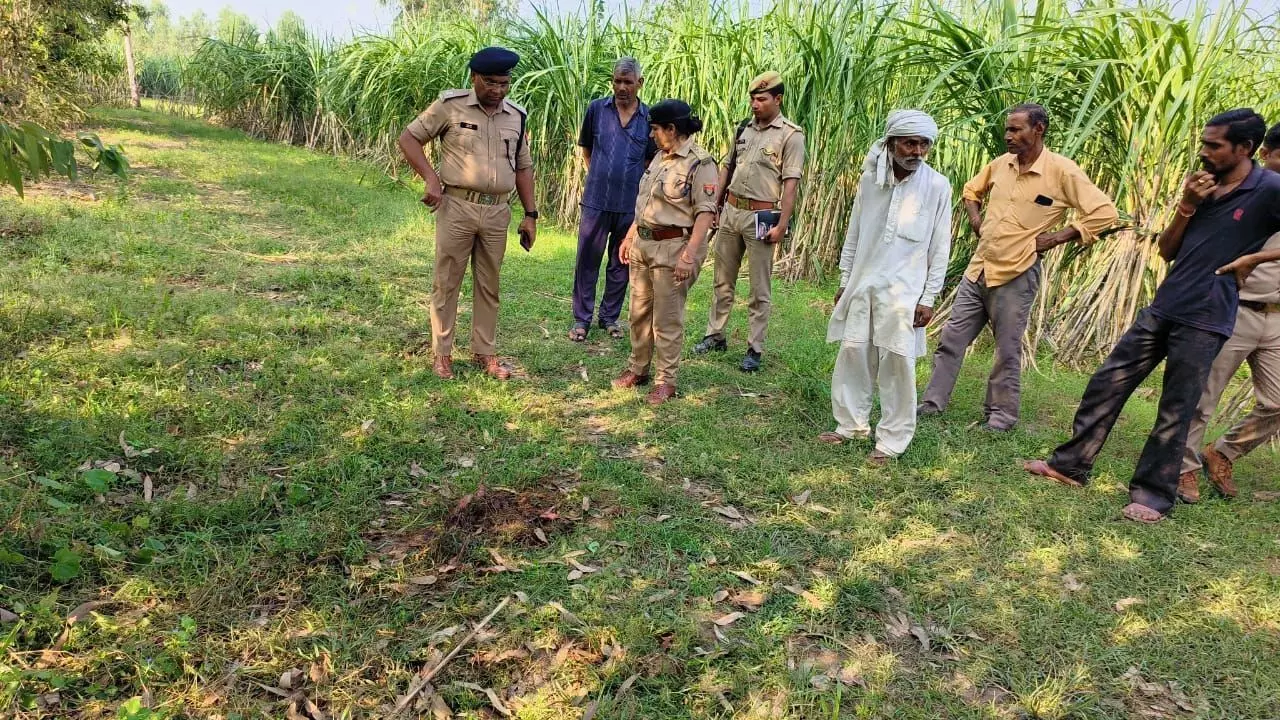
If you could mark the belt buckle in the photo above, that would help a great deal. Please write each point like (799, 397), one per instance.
(487, 199)
(645, 233)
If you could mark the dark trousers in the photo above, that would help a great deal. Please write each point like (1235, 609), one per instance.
(1006, 308)
(1188, 354)
(597, 230)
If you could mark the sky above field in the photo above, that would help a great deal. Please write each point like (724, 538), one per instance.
(343, 18)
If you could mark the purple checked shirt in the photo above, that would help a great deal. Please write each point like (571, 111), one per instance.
(618, 156)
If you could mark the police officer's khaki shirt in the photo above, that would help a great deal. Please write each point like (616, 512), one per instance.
(678, 185)
(766, 156)
(478, 151)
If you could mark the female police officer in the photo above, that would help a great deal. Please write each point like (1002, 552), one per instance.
(666, 246)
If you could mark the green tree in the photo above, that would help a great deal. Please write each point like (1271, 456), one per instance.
(49, 48)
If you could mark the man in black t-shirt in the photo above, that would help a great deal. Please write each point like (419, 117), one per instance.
(1228, 210)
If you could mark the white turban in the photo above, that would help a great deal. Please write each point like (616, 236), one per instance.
(900, 123)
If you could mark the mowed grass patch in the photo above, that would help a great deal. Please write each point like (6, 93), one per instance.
(219, 426)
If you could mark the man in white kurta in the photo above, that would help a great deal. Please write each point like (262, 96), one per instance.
(892, 267)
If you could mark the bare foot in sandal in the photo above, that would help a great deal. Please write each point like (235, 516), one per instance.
(1042, 468)
(832, 438)
(1141, 513)
(615, 331)
(578, 333)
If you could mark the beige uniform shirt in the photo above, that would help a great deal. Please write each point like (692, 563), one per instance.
(678, 186)
(1263, 284)
(478, 151)
(1021, 205)
(766, 156)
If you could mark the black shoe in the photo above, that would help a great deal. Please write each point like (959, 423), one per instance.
(709, 343)
(750, 362)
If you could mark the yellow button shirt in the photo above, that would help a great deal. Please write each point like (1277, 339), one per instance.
(1021, 205)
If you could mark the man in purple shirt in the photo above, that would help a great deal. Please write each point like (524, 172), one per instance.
(616, 147)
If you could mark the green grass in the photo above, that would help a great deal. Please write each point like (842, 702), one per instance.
(245, 308)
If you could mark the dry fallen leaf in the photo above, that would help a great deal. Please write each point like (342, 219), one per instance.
(565, 614)
(82, 611)
(575, 575)
(291, 679)
(542, 537)
(744, 576)
(1126, 603)
(922, 635)
(728, 511)
(191, 491)
(810, 599)
(586, 503)
(1071, 584)
(148, 490)
(719, 596)
(660, 518)
(439, 709)
(590, 712)
(820, 508)
(366, 427)
(1266, 495)
(659, 596)
(416, 471)
(731, 618)
(898, 625)
(749, 600)
(522, 597)
(7, 617)
(626, 685)
(587, 569)
(802, 498)
(424, 580)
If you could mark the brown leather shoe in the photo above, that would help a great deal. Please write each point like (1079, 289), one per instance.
(629, 380)
(1189, 488)
(443, 367)
(491, 366)
(661, 393)
(1219, 468)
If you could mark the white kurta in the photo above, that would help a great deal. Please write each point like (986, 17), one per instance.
(894, 258)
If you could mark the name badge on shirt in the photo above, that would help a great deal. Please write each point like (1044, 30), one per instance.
(468, 126)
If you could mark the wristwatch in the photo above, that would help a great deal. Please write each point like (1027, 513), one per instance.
(531, 214)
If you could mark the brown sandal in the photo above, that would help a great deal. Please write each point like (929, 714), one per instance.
(832, 438)
(1138, 512)
(1042, 468)
(615, 331)
(578, 333)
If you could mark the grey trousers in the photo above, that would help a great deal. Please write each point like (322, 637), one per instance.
(1006, 308)
(1257, 341)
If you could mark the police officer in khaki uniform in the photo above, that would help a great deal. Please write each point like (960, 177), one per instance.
(666, 246)
(762, 173)
(483, 156)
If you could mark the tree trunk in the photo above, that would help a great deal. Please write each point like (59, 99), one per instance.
(128, 62)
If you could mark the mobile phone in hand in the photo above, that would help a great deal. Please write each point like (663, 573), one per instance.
(525, 241)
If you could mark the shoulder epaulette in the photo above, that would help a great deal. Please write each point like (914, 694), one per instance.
(453, 94)
(792, 125)
(518, 108)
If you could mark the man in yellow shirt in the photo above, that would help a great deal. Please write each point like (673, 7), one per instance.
(1027, 192)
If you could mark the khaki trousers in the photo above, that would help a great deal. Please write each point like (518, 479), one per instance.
(1256, 340)
(478, 233)
(657, 306)
(736, 237)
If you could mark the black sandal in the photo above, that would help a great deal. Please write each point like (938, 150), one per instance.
(615, 331)
(578, 333)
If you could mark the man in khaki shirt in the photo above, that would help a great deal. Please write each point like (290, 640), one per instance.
(762, 174)
(483, 157)
(1027, 192)
(1256, 340)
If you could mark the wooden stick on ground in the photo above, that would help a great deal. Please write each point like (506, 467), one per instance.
(424, 678)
